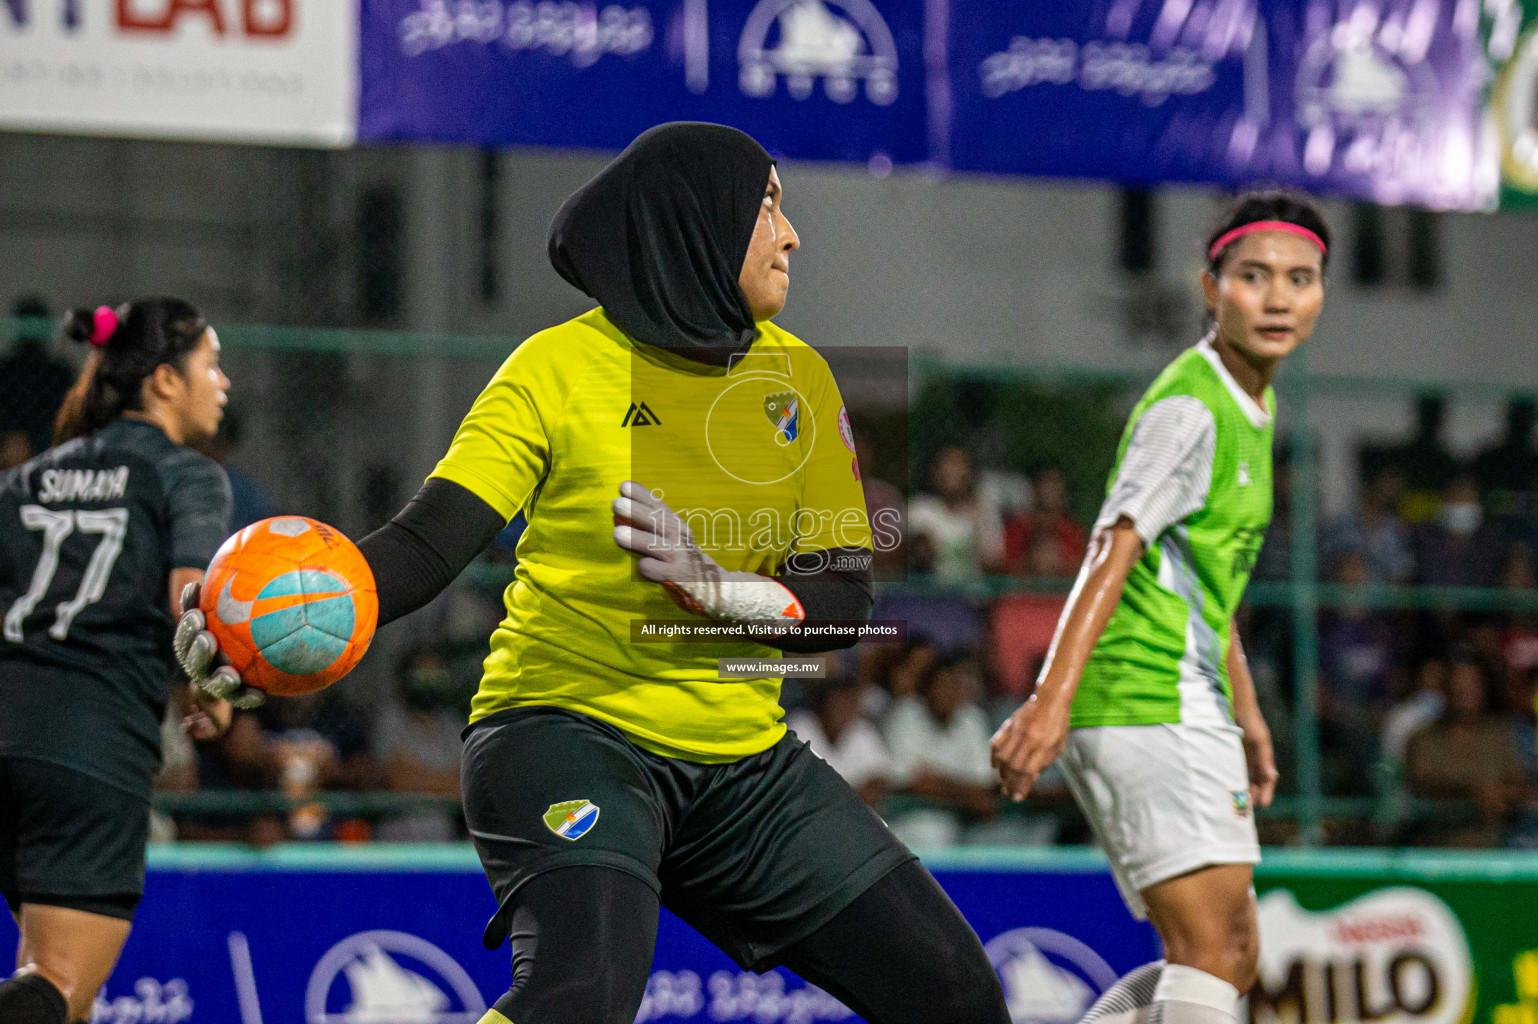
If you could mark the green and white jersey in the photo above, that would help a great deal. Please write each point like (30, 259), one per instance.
(1193, 473)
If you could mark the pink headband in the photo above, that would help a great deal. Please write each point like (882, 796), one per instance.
(1228, 237)
(103, 325)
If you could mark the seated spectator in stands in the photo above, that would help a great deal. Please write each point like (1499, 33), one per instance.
(913, 662)
(1519, 703)
(298, 746)
(32, 385)
(1424, 461)
(1356, 655)
(1519, 630)
(178, 761)
(1506, 468)
(1459, 549)
(939, 742)
(1006, 492)
(888, 511)
(833, 726)
(416, 743)
(1467, 755)
(1376, 530)
(1045, 541)
(504, 547)
(1422, 706)
(250, 502)
(317, 742)
(953, 532)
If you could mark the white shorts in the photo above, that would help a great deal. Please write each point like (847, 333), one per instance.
(1163, 799)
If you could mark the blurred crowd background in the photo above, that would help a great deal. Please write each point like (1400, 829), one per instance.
(1422, 703)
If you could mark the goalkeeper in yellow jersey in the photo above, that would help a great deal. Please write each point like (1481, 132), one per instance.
(672, 447)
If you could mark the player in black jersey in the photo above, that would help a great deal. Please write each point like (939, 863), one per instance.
(98, 536)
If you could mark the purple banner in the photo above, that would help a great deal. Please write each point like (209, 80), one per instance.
(816, 79)
(1374, 100)
(1371, 99)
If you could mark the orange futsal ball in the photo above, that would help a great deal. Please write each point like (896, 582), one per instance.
(291, 602)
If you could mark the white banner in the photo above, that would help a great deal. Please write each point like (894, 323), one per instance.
(274, 71)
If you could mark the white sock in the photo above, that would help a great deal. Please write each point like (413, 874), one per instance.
(1186, 995)
(1128, 999)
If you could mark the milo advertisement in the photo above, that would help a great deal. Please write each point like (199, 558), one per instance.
(1397, 939)
(1513, 45)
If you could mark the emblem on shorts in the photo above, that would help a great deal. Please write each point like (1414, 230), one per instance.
(571, 819)
(1241, 804)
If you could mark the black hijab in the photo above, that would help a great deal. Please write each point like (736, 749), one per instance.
(659, 237)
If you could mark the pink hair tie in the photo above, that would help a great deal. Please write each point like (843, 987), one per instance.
(1229, 237)
(103, 325)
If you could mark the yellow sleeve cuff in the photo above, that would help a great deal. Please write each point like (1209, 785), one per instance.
(479, 486)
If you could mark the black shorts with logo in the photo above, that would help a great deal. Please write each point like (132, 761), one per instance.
(756, 854)
(68, 840)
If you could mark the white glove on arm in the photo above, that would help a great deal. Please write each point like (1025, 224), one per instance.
(197, 651)
(646, 526)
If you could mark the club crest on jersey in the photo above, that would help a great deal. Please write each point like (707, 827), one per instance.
(784, 411)
(1244, 474)
(572, 819)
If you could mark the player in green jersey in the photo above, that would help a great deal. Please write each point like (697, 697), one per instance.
(1145, 694)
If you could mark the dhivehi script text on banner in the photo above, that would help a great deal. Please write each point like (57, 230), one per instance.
(817, 79)
(1381, 101)
(272, 71)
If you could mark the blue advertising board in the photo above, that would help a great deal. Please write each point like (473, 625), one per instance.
(1104, 90)
(330, 935)
(819, 79)
(1379, 101)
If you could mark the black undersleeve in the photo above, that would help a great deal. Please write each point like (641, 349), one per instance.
(429, 542)
(901, 953)
(582, 941)
(837, 588)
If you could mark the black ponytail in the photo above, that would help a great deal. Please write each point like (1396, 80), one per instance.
(1271, 204)
(127, 345)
